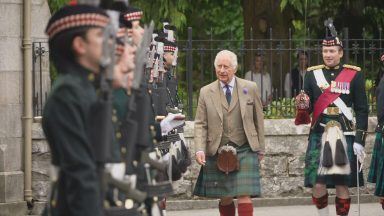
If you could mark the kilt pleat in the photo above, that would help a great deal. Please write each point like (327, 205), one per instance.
(376, 172)
(312, 160)
(244, 182)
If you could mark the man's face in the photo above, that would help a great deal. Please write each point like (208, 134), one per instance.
(93, 47)
(332, 55)
(303, 61)
(224, 69)
(123, 74)
(259, 63)
(136, 32)
(169, 57)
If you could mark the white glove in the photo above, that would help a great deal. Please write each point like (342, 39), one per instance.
(358, 149)
(169, 122)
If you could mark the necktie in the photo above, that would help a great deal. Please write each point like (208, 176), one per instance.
(228, 94)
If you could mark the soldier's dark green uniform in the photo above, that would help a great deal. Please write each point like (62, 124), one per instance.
(66, 119)
(376, 172)
(355, 98)
(65, 123)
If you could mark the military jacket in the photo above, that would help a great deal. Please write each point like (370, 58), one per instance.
(356, 98)
(66, 125)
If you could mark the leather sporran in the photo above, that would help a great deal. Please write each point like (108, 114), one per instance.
(227, 160)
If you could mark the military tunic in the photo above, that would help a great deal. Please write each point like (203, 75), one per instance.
(376, 172)
(66, 125)
(358, 100)
(120, 109)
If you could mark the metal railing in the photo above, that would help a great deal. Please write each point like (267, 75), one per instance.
(195, 67)
(197, 57)
(40, 75)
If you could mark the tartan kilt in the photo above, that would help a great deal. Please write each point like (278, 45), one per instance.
(376, 171)
(245, 182)
(312, 160)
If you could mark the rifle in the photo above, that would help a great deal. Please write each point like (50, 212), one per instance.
(159, 65)
(129, 127)
(101, 124)
(152, 52)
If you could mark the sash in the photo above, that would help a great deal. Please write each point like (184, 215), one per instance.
(328, 97)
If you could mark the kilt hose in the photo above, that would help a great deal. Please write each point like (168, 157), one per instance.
(312, 160)
(376, 171)
(245, 182)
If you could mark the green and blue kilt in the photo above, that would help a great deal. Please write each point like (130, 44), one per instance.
(376, 171)
(312, 161)
(244, 182)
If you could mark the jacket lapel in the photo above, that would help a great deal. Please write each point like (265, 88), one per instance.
(242, 97)
(215, 96)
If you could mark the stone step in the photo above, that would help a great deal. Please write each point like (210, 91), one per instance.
(177, 205)
(13, 209)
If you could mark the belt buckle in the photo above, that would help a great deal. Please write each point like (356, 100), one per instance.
(333, 110)
(332, 123)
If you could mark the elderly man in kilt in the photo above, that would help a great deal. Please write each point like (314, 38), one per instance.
(336, 137)
(229, 138)
(376, 172)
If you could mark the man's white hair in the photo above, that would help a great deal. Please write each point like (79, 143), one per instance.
(232, 56)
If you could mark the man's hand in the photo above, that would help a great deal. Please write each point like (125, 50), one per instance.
(200, 158)
(358, 149)
(171, 121)
(382, 58)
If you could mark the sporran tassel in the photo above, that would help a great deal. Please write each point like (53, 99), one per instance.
(327, 155)
(340, 154)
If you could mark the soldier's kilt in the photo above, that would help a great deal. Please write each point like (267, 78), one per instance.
(312, 160)
(376, 171)
(244, 182)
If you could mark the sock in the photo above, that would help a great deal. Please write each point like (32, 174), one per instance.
(342, 206)
(227, 210)
(245, 209)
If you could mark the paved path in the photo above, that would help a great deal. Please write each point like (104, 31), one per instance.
(367, 209)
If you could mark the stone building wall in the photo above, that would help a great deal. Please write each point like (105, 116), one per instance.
(11, 99)
(281, 170)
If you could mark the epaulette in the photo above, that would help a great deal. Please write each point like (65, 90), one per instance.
(315, 67)
(356, 68)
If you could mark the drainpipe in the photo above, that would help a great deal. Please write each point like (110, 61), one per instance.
(27, 110)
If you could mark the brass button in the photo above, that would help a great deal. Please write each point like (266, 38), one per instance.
(91, 77)
(123, 150)
(118, 135)
(114, 119)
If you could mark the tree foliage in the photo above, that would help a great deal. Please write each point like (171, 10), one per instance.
(54, 5)
(166, 9)
(221, 18)
(363, 18)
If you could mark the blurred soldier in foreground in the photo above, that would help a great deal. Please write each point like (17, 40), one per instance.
(75, 40)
